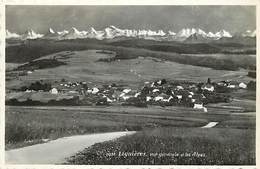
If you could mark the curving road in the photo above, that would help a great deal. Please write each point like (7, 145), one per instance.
(56, 151)
(210, 125)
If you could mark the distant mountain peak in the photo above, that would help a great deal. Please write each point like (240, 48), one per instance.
(223, 33)
(74, 30)
(63, 32)
(31, 34)
(92, 29)
(73, 33)
(198, 37)
(249, 33)
(113, 27)
(171, 33)
(51, 34)
(51, 31)
(10, 35)
(210, 34)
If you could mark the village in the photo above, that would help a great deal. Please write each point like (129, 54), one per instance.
(160, 92)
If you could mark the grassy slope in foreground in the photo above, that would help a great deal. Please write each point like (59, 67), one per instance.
(26, 126)
(30, 125)
(163, 146)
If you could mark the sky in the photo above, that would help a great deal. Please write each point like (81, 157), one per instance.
(209, 18)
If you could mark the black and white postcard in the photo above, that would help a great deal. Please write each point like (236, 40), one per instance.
(110, 84)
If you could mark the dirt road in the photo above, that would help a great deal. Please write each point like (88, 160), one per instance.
(55, 152)
(210, 125)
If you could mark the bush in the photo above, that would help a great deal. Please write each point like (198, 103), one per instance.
(135, 101)
(251, 85)
(37, 86)
(102, 102)
(216, 98)
(41, 64)
(252, 74)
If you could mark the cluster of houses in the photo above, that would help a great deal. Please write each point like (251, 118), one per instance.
(160, 92)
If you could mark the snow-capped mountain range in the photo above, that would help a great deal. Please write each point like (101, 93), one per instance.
(112, 32)
(30, 34)
(249, 33)
(11, 35)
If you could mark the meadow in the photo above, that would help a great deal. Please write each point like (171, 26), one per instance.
(174, 146)
(128, 49)
(86, 66)
(30, 125)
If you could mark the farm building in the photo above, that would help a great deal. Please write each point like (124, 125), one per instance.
(208, 87)
(242, 85)
(54, 91)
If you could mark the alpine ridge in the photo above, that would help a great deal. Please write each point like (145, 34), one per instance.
(112, 32)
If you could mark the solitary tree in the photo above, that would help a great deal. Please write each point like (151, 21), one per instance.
(209, 81)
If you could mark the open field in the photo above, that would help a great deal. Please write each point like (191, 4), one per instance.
(11, 66)
(37, 48)
(191, 48)
(27, 125)
(243, 59)
(178, 146)
(84, 65)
